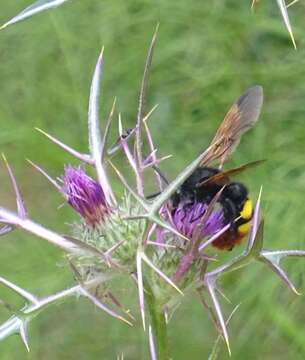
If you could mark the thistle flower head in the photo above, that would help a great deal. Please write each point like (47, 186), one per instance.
(85, 195)
(190, 218)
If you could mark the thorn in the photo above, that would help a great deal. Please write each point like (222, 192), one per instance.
(287, 6)
(89, 248)
(296, 291)
(141, 105)
(210, 284)
(103, 307)
(119, 305)
(107, 130)
(102, 52)
(128, 187)
(5, 230)
(120, 126)
(152, 345)
(166, 226)
(113, 248)
(253, 4)
(160, 273)
(20, 291)
(95, 141)
(284, 13)
(47, 176)
(161, 245)
(275, 266)
(214, 237)
(22, 211)
(255, 222)
(147, 116)
(228, 346)
(83, 157)
(24, 335)
(223, 295)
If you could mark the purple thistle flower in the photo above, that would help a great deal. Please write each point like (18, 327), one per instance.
(188, 218)
(85, 195)
(196, 221)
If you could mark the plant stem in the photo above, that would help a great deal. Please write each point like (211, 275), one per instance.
(159, 326)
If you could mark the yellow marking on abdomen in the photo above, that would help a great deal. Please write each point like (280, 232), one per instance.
(244, 228)
(247, 210)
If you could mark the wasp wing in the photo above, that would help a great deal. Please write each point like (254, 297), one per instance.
(241, 117)
(225, 175)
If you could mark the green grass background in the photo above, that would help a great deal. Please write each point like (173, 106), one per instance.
(207, 54)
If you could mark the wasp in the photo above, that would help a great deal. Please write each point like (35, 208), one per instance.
(208, 182)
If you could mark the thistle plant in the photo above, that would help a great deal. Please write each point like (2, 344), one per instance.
(160, 246)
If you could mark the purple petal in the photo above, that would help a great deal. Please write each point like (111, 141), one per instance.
(188, 217)
(85, 195)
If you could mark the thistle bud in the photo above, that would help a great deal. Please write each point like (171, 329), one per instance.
(85, 195)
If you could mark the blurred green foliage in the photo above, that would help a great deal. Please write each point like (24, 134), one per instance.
(207, 54)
